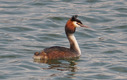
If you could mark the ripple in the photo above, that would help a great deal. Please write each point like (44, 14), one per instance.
(113, 51)
(58, 18)
(122, 27)
(101, 76)
(9, 56)
(121, 9)
(98, 19)
(119, 69)
(38, 3)
(12, 12)
(93, 1)
(121, 15)
(16, 29)
(98, 64)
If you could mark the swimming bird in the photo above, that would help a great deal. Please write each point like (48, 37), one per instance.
(57, 52)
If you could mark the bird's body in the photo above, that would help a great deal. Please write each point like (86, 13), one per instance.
(57, 52)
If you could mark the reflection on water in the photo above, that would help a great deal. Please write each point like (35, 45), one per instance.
(62, 65)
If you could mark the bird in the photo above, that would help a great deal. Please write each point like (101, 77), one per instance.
(58, 52)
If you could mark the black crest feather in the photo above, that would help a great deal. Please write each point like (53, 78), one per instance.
(74, 18)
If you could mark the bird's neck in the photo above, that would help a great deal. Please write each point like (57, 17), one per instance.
(73, 43)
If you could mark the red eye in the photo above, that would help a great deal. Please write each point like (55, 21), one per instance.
(78, 23)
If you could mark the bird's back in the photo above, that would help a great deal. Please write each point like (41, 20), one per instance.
(57, 52)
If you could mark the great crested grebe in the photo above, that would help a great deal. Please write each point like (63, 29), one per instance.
(57, 52)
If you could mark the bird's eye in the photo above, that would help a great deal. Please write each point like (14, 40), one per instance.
(78, 23)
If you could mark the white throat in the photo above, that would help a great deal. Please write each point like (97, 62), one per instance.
(73, 43)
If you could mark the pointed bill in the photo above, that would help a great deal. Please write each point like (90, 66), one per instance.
(84, 26)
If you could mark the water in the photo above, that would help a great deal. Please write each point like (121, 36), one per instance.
(27, 26)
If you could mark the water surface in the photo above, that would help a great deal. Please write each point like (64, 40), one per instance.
(27, 26)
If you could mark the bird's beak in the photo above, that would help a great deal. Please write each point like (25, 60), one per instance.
(84, 26)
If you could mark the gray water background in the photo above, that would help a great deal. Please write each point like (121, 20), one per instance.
(27, 26)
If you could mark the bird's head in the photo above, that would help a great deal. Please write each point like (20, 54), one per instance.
(72, 23)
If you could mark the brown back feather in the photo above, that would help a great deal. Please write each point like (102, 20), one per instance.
(57, 52)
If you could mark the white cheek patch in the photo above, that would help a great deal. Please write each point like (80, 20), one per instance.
(75, 23)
